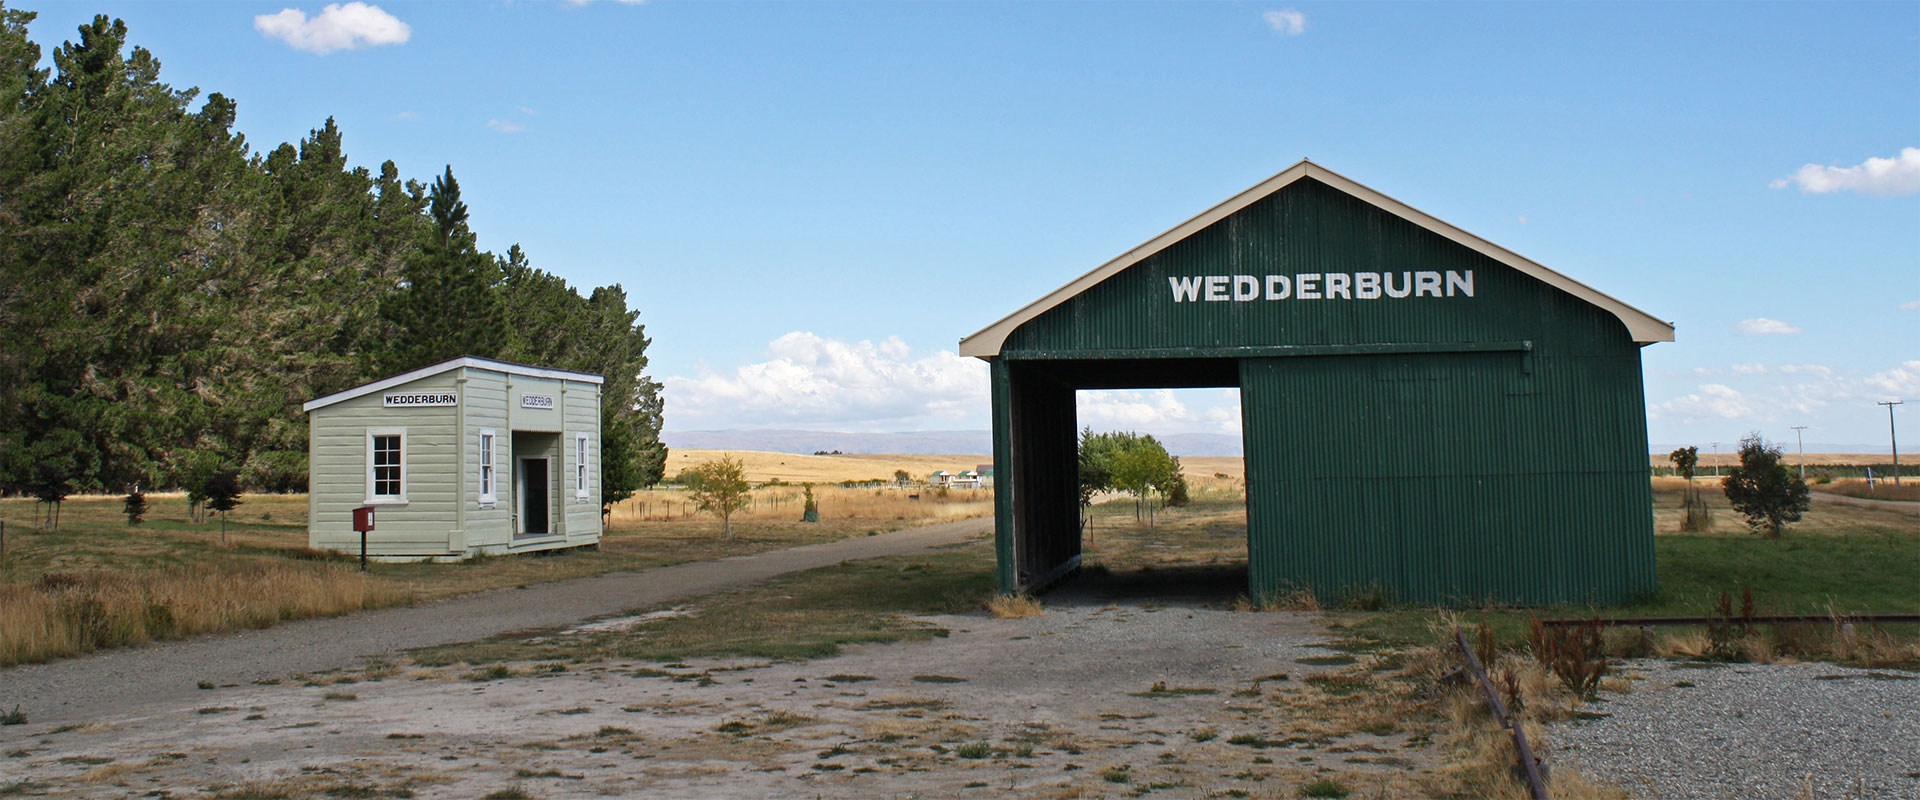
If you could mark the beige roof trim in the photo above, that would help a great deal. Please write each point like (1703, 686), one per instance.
(507, 367)
(1644, 327)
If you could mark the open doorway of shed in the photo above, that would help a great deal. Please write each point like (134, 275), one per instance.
(1196, 553)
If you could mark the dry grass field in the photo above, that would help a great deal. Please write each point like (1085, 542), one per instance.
(1729, 456)
(98, 582)
(794, 468)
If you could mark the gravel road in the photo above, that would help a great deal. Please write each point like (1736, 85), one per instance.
(1754, 731)
(122, 682)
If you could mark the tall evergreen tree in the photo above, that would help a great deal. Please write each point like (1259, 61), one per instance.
(448, 305)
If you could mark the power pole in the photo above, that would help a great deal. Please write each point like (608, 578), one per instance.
(1716, 460)
(1803, 451)
(1893, 436)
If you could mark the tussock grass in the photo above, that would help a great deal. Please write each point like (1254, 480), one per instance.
(68, 614)
(1014, 606)
(1908, 489)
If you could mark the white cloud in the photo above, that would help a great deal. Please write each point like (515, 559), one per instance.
(528, 111)
(1879, 177)
(505, 125)
(1749, 369)
(337, 27)
(1900, 382)
(1127, 409)
(1813, 369)
(808, 379)
(1761, 326)
(1910, 305)
(1711, 400)
(1287, 22)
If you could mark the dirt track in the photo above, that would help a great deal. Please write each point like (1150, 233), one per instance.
(121, 683)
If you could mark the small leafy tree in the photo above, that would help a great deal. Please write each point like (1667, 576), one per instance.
(1685, 461)
(1764, 490)
(901, 478)
(222, 491)
(135, 506)
(718, 487)
(811, 511)
(1142, 468)
(51, 485)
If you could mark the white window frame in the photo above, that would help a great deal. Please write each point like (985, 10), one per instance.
(381, 499)
(489, 467)
(581, 475)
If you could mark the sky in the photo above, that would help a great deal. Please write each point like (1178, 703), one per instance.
(810, 203)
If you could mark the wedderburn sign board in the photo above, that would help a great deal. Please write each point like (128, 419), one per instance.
(1320, 286)
(419, 399)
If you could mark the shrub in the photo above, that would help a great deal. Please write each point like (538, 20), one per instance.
(1763, 490)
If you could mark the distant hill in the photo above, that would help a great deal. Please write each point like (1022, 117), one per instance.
(903, 443)
(809, 442)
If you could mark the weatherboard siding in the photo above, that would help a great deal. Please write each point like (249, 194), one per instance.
(443, 515)
(338, 465)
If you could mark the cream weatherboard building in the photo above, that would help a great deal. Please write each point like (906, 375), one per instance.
(463, 457)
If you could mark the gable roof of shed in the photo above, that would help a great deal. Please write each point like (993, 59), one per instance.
(1643, 327)
(451, 364)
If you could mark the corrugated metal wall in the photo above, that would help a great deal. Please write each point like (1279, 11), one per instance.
(1446, 449)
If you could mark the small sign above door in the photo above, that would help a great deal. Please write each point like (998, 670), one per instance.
(536, 401)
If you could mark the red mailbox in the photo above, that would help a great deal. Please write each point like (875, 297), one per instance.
(363, 519)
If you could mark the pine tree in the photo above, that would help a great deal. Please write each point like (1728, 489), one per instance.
(449, 305)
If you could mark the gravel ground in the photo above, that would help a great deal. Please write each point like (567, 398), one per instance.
(1055, 706)
(1754, 731)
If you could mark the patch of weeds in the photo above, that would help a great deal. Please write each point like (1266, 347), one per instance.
(1340, 684)
(20, 753)
(71, 726)
(650, 672)
(1327, 661)
(510, 793)
(267, 682)
(252, 717)
(546, 773)
(1204, 734)
(20, 788)
(406, 736)
(845, 678)
(216, 710)
(1119, 774)
(937, 679)
(1253, 740)
(834, 752)
(493, 673)
(86, 761)
(1325, 787)
(345, 696)
(1683, 684)
(1161, 689)
(974, 750)
(829, 767)
(14, 717)
(554, 668)
(612, 731)
(573, 711)
(205, 685)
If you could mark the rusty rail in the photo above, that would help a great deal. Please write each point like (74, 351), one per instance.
(1531, 767)
(1773, 619)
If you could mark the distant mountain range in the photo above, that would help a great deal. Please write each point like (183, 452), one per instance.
(981, 443)
(905, 443)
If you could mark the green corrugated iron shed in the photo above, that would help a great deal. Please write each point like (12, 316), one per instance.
(1424, 412)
